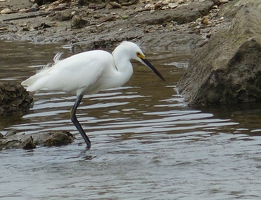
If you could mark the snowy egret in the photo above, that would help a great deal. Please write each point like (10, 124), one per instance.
(87, 73)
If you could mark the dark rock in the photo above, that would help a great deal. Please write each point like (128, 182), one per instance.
(227, 69)
(59, 138)
(28, 143)
(13, 97)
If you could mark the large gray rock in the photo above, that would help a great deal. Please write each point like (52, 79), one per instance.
(228, 68)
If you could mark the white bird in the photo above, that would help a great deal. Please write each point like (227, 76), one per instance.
(89, 72)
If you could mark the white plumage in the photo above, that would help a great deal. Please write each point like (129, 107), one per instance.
(88, 72)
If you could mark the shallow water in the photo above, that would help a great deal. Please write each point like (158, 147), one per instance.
(146, 144)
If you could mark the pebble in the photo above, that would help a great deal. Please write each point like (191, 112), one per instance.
(172, 5)
(205, 21)
(6, 11)
(34, 8)
(181, 1)
(78, 22)
(223, 1)
(161, 5)
(114, 4)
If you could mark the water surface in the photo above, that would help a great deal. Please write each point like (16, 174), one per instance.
(146, 144)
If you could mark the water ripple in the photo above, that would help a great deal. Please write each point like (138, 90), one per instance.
(146, 144)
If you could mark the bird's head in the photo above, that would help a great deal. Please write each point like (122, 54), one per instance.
(134, 51)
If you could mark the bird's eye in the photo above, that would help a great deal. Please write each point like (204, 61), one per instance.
(139, 55)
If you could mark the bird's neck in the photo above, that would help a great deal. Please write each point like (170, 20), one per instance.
(124, 68)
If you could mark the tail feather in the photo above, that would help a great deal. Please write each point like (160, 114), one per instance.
(35, 83)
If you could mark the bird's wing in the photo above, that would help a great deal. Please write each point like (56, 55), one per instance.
(75, 74)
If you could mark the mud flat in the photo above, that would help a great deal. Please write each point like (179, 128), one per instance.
(176, 24)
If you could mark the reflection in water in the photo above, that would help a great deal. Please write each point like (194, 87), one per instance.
(146, 143)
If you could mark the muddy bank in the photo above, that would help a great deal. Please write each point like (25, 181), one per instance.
(177, 24)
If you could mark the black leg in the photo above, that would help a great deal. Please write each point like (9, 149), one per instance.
(76, 122)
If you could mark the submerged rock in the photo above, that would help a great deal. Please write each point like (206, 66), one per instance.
(227, 69)
(12, 140)
(58, 138)
(13, 97)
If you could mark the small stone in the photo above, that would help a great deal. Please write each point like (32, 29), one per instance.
(149, 6)
(114, 4)
(223, 1)
(78, 22)
(39, 2)
(64, 16)
(172, 5)
(158, 5)
(28, 143)
(6, 11)
(164, 8)
(181, 1)
(166, 2)
(34, 7)
(205, 21)
(59, 138)
(124, 17)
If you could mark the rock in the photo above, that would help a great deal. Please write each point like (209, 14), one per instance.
(39, 2)
(223, 1)
(227, 69)
(28, 143)
(114, 4)
(59, 138)
(124, 17)
(13, 98)
(230, 9)
(78, 22)
(56, 7)
(63, 16)
(172, 5)
(205, 20)
(12, 140)
(34, 8)
(6, 11)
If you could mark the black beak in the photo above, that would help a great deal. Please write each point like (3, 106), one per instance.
(147, 63)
